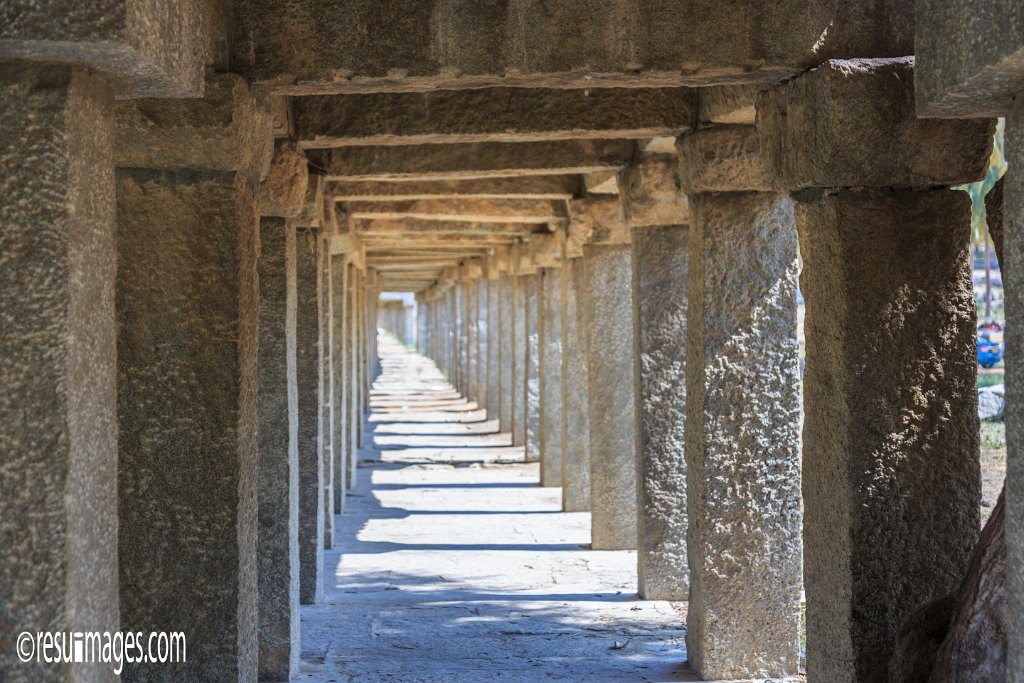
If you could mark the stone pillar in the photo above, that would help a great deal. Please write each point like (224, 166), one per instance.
(531, 399)
(661, 272)
(461, 338)
(612, 406)
(277, 492)
(58, 424)
(576, 456)
(519, 351)
(493, 402)
(324, 428)
(891, 477)
(742, 412)
(310, 458)
(1014, 486)
(340, 374)
(472, 316)
(551, 371)
(481, 342)
(187, 353)
(506, 353)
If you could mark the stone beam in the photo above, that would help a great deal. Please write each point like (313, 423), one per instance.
(491, 115)
(533, 187)
(462, 210)
(152, 48)
(442, 225)
(477, 160)
(651, 192)
(309, 46)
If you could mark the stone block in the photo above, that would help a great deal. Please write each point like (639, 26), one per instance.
(661, 272)
(970, 57)
(612, 405)
(891, 482)
(145, 48)
(229, 129)
(551, 372)
(728, 105)
(531, 291)
(576, 456)
(742, 438)
(722, 159)
(854, 124)
(187, 348)
(284, 191)
(277, 546)
(652, 193)
(58, 351)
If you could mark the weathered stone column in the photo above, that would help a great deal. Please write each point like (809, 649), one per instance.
(551, 371)
(576, 456)
(657, 210)
(324, 428)
(481, 341)
(340, 368)
(187, 352)
(278, 486)
(472, 316)
(612, 406)
(891, 478)
(661, 271)
(531, 399)
(310, 458)
(519, 351)
(58, 423)
(506, 354)
(1014, 486)
(742, 412)
(493, 362)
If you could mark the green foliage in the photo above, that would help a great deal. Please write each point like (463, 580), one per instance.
(978, 190)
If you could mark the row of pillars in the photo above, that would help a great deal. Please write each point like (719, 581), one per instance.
(185, 380)
(658, 378)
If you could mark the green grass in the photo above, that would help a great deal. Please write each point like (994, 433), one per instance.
(990, 380)
(993, 435)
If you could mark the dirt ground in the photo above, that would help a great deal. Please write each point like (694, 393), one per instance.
(993, 464)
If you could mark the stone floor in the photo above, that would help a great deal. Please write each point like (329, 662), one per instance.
(454, 565)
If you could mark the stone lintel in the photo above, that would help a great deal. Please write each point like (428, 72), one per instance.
(970, 57)
(652, 193)
(461, 210)
(229, 129)
(306, 47)
(472, 160)
(722, 159)
(552, 187)
(854, 124)
(148, 48)
(728, 105)
(492, 115)
(284, 191)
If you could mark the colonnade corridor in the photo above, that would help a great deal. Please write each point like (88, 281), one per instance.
(451, 563)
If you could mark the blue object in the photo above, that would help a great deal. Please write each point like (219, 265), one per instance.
(989, 352)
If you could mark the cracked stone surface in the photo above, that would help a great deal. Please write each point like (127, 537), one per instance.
(452, 564)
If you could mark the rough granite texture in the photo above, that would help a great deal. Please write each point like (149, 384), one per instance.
(854, 124)
(742, 438)
(187, 312)
(661, 272)
(612, 407)
(891, 426)
(551, 371)
(325, 428)
(492, 115)
(576, 456)
(652, 193)
(1014, 247)
(363, 45)
(278, 493)
(970, 61)
(284, 191)
(722, 159)
(310, 457)
(229, 129)
(482, 366)
(492, 401)
(340, 376)
(472, 360)
(472, 160)
(144, 47)
(58, 422)
(727, 104)
(553, 187)
(520, 349)
(531, 289)
(506, 354)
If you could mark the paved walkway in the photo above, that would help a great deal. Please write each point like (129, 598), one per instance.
(454, 565)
